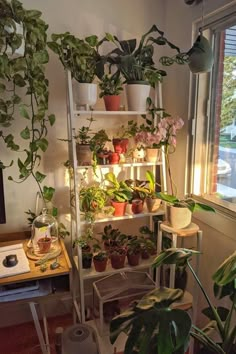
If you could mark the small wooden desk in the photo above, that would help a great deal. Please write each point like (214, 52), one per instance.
(61, 279)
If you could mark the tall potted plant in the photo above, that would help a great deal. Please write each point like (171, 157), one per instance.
(82, 58)
(135, 62)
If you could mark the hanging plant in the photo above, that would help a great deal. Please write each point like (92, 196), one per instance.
(24, 89)
(24, 93)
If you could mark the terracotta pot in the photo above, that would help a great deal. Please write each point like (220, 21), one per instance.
(100, 265)
(133, 259)
(153, 204)
(152, 155)
(120, 208)
(120, 145)
(84, 154)
(178, 217)
(44, 244)
(114, 158)
(137, 206)
(118, 260)
(112, 103)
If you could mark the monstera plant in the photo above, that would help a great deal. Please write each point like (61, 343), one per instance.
(153, 326)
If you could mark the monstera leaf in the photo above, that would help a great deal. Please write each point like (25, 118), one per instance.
(152, 326)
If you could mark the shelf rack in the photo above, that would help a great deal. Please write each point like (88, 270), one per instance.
(77, 221)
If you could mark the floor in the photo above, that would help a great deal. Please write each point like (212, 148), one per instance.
(22, 339)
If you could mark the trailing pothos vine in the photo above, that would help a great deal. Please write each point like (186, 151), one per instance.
(24, 91)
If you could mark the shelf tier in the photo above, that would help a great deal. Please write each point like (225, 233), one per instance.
(126, 164)
(124, 217)
(91, 273)
(110, 113)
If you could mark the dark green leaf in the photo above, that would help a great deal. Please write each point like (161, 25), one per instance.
(51, 119)
(39, 177)
(42, 144)
(25, 134)
(24, 112)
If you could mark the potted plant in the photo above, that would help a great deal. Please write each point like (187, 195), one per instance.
(135, 62)
(179, 211)
(153, 201)
(119, 192)
(92, 200)
(90, 146)
(100, 261)
(169, 329)
(134, 250)
(82, 58)
(110, 89)
(112, 238)
(117, 256)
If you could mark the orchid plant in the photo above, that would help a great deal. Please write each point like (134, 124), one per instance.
(159, 130)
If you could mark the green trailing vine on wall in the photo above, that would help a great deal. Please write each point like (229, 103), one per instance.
(24, 91)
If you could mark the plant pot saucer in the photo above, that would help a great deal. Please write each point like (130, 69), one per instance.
(55, 251)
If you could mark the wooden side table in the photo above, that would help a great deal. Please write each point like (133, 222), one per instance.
(188, 301)
(61, 279)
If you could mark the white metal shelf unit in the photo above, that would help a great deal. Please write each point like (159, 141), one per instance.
(76, 221)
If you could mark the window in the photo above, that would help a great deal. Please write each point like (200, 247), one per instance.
(214, 124)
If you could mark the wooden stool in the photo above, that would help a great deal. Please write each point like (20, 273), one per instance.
(188, 301)
(191, 230)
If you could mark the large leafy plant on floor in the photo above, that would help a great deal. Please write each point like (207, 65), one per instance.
(24, 91)
(153, 326)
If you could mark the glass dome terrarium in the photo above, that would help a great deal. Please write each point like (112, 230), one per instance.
(44, 234)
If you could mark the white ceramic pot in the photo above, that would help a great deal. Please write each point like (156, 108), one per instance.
(153, 204)
(136, 96)
(85, 95)
(178, 217)
(138, 155)
(152, 155)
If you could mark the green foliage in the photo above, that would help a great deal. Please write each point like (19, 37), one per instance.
(92, 199)
(153, 326)
(80, 56)
(100, 256)
(24, 86)
(118, 191)
(189, 203)
(135, 60)
(228, 107)
(110, 85)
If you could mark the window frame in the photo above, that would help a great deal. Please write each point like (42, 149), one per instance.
(213, 24)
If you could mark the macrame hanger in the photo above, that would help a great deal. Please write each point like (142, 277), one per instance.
(203, 13)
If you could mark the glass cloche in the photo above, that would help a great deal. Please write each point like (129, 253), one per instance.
(44, 233)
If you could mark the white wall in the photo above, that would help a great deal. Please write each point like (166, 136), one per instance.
(219, 239)
(127, 19)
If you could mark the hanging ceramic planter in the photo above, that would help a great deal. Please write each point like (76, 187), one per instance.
(137, 94)
(201, 56)
(178, 217)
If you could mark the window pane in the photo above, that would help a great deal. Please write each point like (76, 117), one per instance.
(223, 179)
(215, 136)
